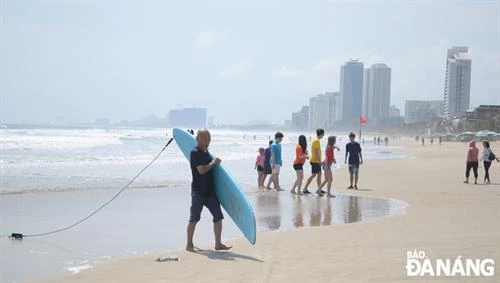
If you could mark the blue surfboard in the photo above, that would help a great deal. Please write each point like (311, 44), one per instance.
(229, 193)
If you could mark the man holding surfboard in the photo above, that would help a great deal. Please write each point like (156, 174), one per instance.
(203, 190)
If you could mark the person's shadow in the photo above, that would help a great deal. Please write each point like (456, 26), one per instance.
(226, 255)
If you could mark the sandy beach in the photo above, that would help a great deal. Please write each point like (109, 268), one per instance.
(445, 219)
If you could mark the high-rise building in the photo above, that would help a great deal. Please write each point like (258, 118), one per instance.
(351, 91)
(324, 110)
(300, 120)
(457, 82)
(376, 92)
(421, 110)
(318, 111)
(334, 107)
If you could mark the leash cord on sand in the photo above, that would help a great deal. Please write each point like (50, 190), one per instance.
(20, 236)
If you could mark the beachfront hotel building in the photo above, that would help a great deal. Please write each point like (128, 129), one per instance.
(188, 117)
(376, 92)
(394, 111)
(300, 120)
(334, 107)
(318, 111)
(351, 91)
(457, 82)
(324, 110)
(422, 110)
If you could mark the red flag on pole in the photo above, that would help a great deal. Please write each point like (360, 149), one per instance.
(362, 120)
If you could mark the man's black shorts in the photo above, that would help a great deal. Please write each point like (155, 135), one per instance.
(197, 203)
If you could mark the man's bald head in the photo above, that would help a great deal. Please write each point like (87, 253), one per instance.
(202, 131)
(203, 138)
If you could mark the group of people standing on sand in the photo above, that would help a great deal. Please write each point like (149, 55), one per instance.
(269, 162)
(487, 156)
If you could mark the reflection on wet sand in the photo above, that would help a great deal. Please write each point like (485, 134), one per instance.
(279, 210)
(298, 220)
(352, 213)
(327, 219)
(315, 211)
(268, 210)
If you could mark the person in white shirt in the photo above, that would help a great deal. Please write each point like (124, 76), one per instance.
(485, 157)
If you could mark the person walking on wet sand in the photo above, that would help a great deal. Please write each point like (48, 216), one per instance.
(472, 161)
(203, 190)
(267, 165)
(353, 150)
(276, 162)
(259, 165)
(315, 162)
(327, 165)
(298, 164)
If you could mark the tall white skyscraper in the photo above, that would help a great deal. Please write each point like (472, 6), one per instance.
(377, 92)
(351, 91)
(457, 82)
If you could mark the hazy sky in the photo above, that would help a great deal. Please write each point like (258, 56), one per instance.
(123, 60)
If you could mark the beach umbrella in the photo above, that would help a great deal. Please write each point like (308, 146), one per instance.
(466, 136)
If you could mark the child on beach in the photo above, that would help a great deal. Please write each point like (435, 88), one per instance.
(327, 166)
(267, 164)
(259, 165)
(298, 164)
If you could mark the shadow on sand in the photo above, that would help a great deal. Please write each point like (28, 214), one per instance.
(226, 255)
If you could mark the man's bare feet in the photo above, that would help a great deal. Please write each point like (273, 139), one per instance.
(190, 248)
(319, 193)
(331, 195)
(222, 247)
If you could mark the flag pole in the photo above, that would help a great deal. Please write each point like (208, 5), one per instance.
(360, 132)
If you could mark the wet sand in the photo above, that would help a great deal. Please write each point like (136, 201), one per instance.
(445, 218)
(142, 221)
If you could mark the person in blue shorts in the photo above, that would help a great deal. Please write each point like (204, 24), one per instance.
(203, 190)
(353, 151)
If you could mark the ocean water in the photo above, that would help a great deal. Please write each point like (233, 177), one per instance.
(50, 159)
(51, 178)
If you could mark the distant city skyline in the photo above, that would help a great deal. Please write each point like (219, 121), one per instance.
(82, 61)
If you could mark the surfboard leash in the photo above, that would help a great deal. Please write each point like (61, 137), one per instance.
(19, 236)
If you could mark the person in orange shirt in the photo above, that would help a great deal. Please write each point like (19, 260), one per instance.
(298, 164)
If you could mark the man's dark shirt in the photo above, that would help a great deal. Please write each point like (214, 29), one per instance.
(203, 184)
(353, 149)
